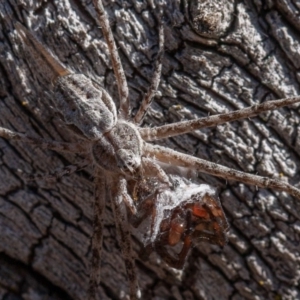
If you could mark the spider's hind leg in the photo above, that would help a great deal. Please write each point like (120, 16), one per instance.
(99, 206)
(124, 235)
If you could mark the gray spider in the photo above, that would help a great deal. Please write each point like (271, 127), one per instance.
(119, 148)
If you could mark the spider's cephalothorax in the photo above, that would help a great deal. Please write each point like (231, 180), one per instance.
(118, 146)
(119, 150)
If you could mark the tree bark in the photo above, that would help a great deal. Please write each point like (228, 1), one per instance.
(219, 56)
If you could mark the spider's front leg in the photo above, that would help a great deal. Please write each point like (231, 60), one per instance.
(170, 156)
(148, 97)
(117, 199)
(169, 130)
(115, 59)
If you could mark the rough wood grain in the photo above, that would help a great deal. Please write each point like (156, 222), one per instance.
(210, 66)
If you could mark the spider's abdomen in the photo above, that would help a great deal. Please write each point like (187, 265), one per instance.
(119, 150)
(83, 105)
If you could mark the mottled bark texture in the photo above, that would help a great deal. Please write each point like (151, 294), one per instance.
(219, 57)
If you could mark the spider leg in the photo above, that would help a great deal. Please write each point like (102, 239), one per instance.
(146, 251)
(152, 167)
(168, 238)
(30, 40)
(210, 223)
(211, 238)
(147, 100)
(124, 235)
(68, 170)
(115, 59)
(44, 144)
(148, 207)
(99, 206)
(165, 131)
(173, 262)
(145, 207)
(127, 198)
(179, 159)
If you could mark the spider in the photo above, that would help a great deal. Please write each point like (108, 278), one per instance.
(188, 213)
(120, 150)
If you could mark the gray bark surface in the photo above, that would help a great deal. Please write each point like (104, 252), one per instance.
(221, 56)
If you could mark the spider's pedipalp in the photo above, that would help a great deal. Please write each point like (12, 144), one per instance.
(151, 167)
(203, 166)
(99, 206)
(166, 131)
(127, 198)
(115, 59)
(147, 100)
